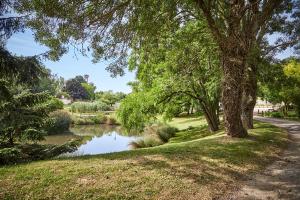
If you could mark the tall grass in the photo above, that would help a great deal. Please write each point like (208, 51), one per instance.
(100, 118)
(89, 107)
(59, 122)
(154, 135)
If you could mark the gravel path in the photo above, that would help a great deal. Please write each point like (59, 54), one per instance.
(280, 180)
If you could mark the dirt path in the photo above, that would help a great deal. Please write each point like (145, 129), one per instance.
(280, 180)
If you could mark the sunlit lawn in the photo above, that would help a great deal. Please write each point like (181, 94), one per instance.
(193, 165)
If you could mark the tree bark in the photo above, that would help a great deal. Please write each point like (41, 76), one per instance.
(211, 117)
(249, 96)
(233, 72)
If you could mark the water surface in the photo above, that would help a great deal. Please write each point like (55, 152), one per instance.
(97, 139)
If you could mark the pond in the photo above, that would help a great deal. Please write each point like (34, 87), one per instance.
(97, 139)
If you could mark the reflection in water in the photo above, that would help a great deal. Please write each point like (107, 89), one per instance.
(97, 139)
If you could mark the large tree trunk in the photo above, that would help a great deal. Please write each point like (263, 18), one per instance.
(249, 96)
(233, 72)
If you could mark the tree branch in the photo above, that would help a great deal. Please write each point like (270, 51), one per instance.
(211, 22)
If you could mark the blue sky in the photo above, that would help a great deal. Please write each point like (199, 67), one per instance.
(71, 65)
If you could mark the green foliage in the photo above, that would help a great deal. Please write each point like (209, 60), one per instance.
(274, 114)
(136, 110)
(155, 135)
(109, 97)
(281, 83)
(59, 122)
(83, 121)
(100, 118)
(50, 83)
(9, 155)
(23, 115)
(292, 69)
(179, 74)
(89, 107)
(90, 88)
(30, 152)
(147, 141)
(21, 70)
(166, 132)
(55, 104)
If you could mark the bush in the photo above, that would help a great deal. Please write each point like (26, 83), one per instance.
(111, 121)
(152, 141)
(88, 107)
(155, 135)
(166, 132)
(100, 118)
(274, 114)
(9, 155)
(60, 121)
(83, 121)
(147, 141)
(55, 104)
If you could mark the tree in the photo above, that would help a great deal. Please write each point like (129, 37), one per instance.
(23, 115)
(90, 89)
(177, 72)
(136, 110)
(75, 89)
(114, 27)
(50, 83)
(285, 22)
(9, 24)
(107, 97)
(281, 83)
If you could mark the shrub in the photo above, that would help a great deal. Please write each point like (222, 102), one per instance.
(152, 141)
(147, 141)
(274, 114)
(9, 155)
(60, 121)
(55, 104)
(111, 121)
(166, 132)
(137, 144)
(100, 118)
(83, 121)
(155, 135)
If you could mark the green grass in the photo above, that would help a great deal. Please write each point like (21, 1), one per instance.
(193, 165)
(183, 123)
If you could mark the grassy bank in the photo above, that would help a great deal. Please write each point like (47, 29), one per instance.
(193, 165)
